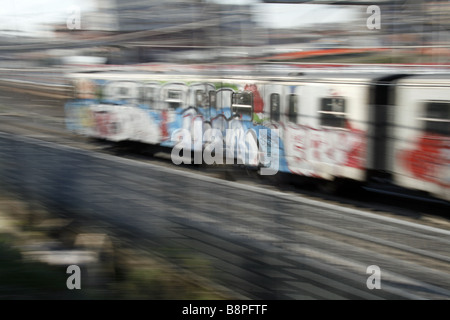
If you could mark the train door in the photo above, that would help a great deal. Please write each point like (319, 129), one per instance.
(146, 117)
(242, 139)
(173, 97)
(220, 108)
(223, 101)
(295, 129)
(199, 111)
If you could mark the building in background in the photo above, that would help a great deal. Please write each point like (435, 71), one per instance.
(141, 31)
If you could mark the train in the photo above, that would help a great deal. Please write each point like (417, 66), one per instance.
(386, 126)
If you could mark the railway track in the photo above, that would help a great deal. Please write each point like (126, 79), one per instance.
(377, 198)
(293, 242)
(262, 243)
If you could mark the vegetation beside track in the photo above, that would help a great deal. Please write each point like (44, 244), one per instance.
(127, 274)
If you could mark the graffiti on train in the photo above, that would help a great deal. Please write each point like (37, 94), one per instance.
(306, 147)
(429, 160)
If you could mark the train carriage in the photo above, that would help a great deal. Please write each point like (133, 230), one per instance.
(420, 135)
(331, 126)
(325, 124)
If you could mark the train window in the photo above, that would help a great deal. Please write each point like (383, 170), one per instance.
(147, 96)
(122, 91)
(292, 102)
(174, 94)
(200, 98)
(242, 104)
(213, 99)
(437, 117)
(122, 94)
(332, 112)
(174, 99)
(125, 91)
(275, 107)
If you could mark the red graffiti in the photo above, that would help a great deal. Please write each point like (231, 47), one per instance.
(307, 146)
(427, 159)
(258, 103)
(356, 155)
(164, 131)
(105, 123)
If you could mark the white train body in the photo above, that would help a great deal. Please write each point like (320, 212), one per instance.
(330, 126)
(420, 135)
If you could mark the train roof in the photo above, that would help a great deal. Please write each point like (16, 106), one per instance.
(291, 76)
(440, 79)
(355, 75)
(337, 77)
